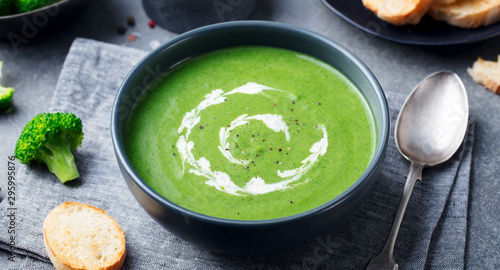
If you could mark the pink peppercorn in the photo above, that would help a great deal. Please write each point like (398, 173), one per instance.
(151, 24)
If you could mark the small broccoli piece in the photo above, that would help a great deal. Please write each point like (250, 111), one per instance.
(21, 6)
(6, 7)
(6, 93)
(51, 138)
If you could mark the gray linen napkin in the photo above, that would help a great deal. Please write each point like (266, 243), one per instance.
(432, 235)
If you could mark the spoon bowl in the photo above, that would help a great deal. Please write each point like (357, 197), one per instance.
(430, 128)
(432, 122)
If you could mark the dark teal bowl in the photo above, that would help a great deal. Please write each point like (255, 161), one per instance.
(260, 237)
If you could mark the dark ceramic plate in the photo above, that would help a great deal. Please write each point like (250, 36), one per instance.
(23, 26)
(427, 32)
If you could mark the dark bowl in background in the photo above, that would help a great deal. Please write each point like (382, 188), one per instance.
(180, 16)
(24, 26)
(259, 237)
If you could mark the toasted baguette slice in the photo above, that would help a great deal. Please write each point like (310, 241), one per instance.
(443, 2)
(80, 236)
(486, 73)
(399, 12)
(467, 13)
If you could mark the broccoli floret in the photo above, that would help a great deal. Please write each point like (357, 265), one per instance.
(6, 93)
(6, 7)
(51, 138)
(21, 6)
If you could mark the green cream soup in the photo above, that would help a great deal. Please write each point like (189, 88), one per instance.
(251, 133)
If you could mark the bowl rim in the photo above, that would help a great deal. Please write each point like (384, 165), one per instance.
(377, 158)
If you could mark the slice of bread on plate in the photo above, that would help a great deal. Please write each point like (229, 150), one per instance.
(399, 12)
(486, 73)
(81, 236)
(443, 2)
(467, 13)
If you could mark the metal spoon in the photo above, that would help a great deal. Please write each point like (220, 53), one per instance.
(430, 128)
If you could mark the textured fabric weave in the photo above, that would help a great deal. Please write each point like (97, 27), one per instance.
(432, 235)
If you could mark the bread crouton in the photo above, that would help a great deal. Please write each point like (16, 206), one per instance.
(81, 236)
(399, 12)
(467, 13)
(486, 73)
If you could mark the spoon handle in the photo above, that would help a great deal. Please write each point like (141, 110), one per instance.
(385, 260)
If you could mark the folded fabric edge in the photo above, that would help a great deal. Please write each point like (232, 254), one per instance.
(440, 244)
(74, 57)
